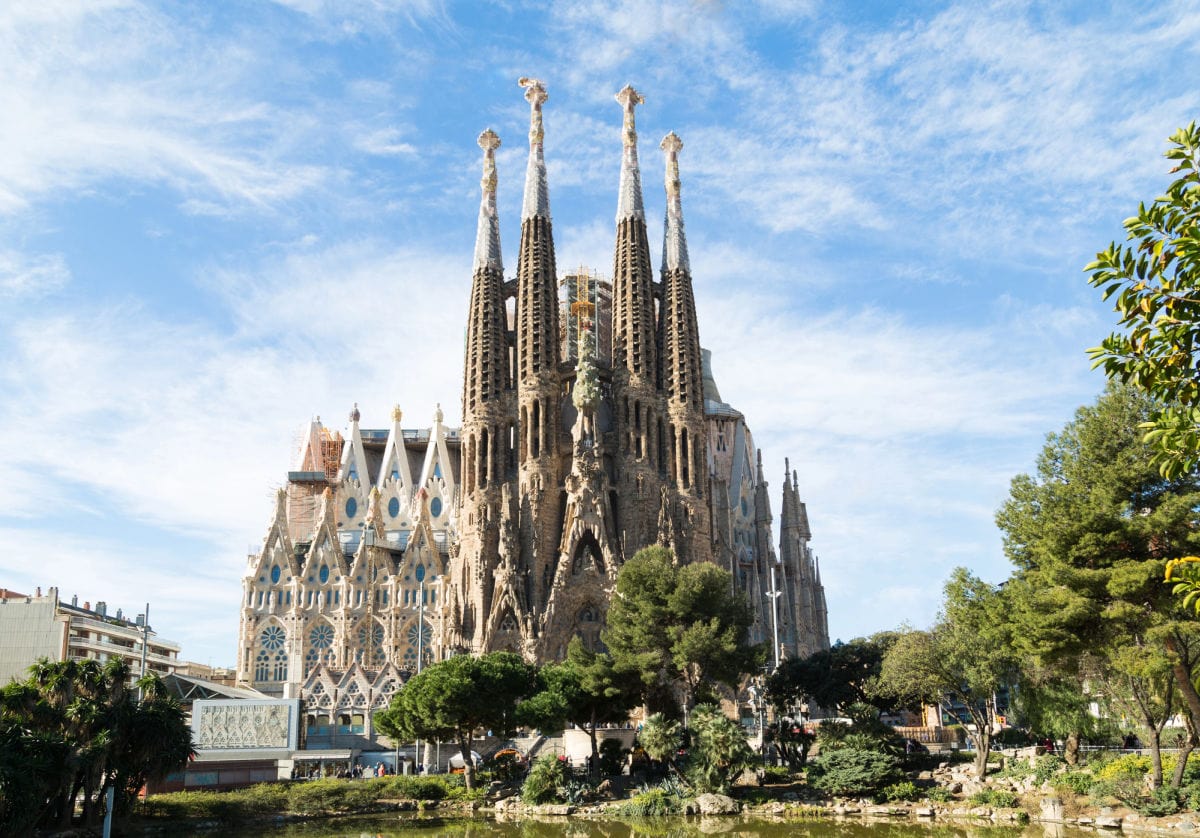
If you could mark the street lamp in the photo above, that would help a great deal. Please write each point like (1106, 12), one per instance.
(773, 595)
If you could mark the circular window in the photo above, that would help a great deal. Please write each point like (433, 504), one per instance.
(273, 637)
(324, 574)
(275, 574)
(435, 507)
(351, 507)
(394, 507)
(321, 636)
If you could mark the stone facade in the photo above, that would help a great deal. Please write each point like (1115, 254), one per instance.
(398, 545)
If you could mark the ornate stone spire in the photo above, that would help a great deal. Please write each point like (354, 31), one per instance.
(537, 194)
(675, 253)
(629, 202)
(487, 235)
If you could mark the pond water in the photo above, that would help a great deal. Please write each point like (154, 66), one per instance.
(408, 826)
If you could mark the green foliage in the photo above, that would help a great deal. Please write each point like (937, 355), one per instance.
(844, 674)
(1152, 282)
(776, 774)
(450, 699)
(612, 757)
(719, 752)
(1159, 803)
(661, 737)
(852, 771)
(966, 657)
(1079, 782)
(938, 794)
(678, 625)
(547, 774)
(1013, 737)
(667, 798)
(417, 787)
(1126, 765)
(902, 791)
(74, 729)
(995, 797)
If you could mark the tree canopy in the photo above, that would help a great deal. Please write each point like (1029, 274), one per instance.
(72, 730)
(453, 698)
(679, 628)
(1153, 280)
(834, 678)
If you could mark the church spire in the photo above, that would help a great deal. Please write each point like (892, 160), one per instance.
(629, 201)
(633, 344)
(678, 329)
(675, 253)
(537, 194)
(487, 234)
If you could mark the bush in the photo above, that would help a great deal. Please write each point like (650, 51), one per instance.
(546, 775)
(612, 757)
(410, 787)
(1046, 766)
(1162, 801)
(654, 801)
(995, 797)
(776, 774)
(1126, 765)
(1013, 737)
(938, 794)
(853, 771)
(1079, 782)
(326, 797)
(896, 792)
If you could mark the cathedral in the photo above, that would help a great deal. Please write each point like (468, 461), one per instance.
(591, 428)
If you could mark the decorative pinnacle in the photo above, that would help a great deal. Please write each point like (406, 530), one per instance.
(675, 255)
(629, 201)
(397, 413)
(629, 98)
(487, 235)
(535, 95)
(537, 194)
(354, 414)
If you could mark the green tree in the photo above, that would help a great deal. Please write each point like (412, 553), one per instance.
(834, 678)
(1153, 281)
(74, 729)
(719, 752)
(453, 698)
(661, 738)
(679, 628)
(587, 691)
(963, 660)
(1090, 535)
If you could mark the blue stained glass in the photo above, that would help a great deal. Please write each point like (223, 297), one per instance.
(435, 507)
(394, 507)
(420, 572)
(351, 507)
(324, 574)
(275, 574)
(437, 470)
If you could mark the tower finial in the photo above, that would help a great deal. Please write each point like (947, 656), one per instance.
(675, 254)
(629, 204)
(487, 235)
(537, 194)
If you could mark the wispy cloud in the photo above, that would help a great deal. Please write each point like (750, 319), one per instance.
(23, 275)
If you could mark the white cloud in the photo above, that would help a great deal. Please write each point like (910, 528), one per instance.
(22, 275)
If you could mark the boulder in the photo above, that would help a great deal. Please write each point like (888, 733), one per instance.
(717, 804)
(1108, 822)
(561, 809)
(1052, 809)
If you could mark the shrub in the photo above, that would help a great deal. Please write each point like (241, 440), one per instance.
(994, 797)
(326, 797)
(896, 792)
(776, 774)
(1079, 782)
(1126, 765)
(1162, 801)
(612, 756)
(938, 794)
(654, 801)
(410, 787)
(1046, 766)
(546, 775)
(852, 771)
(1013, 737)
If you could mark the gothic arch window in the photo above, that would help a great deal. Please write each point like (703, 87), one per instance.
(587, 556)
(270, 664)
(508, 625)
(320, 646)
(587, 626)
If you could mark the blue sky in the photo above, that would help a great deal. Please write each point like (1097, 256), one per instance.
(219, 220)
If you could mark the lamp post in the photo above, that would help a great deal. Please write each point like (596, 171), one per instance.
(774, 597)
(145, 640)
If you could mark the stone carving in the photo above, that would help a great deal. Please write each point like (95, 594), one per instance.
(242, 725)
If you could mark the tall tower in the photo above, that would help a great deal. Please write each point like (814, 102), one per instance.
(539, 379)
(681, 376)
(487, 420)
(640, 454)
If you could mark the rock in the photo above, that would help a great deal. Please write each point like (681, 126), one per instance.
(954, 788)
(605, 788)
(925, 775)
(1052, 809)
(1108, 822)
(1186, 825)
(790, 796)
(923, 812)
(717, 804)
(980, 812)
(561, 809)
(1084, 821)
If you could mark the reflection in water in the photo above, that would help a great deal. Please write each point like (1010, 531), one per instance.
(407, 826)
